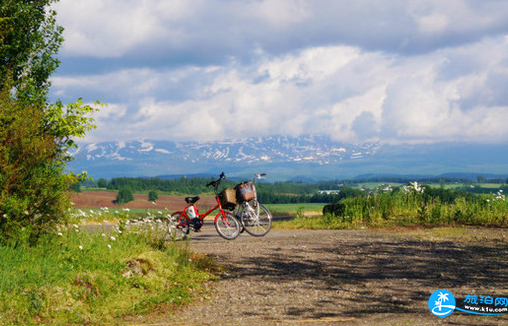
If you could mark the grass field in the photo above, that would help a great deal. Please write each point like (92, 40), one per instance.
(303, 209)
(76, 278)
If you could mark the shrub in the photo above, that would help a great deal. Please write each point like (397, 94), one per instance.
(124, 196)
(33, 186)
(102, 183)
(152, 195)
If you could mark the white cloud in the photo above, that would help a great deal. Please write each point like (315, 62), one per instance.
(201, 31)
(294, 67)
(111, 28)
(433, 23)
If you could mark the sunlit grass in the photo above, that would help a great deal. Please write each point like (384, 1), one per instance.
(408, 207)
(78, 277)
(294, 209)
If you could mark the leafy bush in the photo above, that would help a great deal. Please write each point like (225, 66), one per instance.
(102, 183)
(35, 137)
(152, 195)
(124, 196)
(33, 186)
(419, 205)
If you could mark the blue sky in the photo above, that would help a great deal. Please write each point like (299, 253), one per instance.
(392, 71)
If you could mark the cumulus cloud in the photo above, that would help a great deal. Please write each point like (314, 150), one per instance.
(389, 71)
(216, 29)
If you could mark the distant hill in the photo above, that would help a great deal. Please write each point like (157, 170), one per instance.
(306, 158)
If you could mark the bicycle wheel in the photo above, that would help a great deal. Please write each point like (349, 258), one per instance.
(178, 226)
(256, 219)
(227, 226)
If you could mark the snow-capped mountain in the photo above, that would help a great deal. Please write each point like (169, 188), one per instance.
(283, 158)
(149, 158)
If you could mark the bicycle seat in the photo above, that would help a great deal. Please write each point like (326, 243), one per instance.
(191, 200)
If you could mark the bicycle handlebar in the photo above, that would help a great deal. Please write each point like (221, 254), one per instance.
(216, 183)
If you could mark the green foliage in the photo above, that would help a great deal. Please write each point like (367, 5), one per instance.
(429, 206)
(268, 193)
(29, 39)
(124, 196)
(65, 123)
(78, 278)
(35, 137)
(32, 184)
(102, 183)
(33, 152)
(76, 187)
(152, 195)
(182, 185)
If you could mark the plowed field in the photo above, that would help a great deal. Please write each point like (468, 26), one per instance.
(98, 199)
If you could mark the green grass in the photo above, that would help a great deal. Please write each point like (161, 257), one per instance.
(409, 209)
(76, 277)
(294, 209)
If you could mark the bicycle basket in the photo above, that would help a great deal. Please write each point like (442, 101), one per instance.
(245, 191)
(227, 198)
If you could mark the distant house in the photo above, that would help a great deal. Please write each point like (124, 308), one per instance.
(328, 192)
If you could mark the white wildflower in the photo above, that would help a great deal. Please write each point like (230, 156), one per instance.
(80, 247)
(113, 238)
(60, 234)
(109, 246)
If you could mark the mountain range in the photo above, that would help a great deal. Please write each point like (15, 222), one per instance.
(284, 157)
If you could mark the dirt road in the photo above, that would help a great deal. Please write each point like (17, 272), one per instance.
(343, 278)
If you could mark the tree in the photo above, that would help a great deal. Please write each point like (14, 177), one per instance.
(481, 179)
(76, 187)
(35, 136)
(124, 196)
(152, 195)
(102, 183)
(29, 40)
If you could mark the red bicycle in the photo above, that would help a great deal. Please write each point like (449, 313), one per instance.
(225, 222)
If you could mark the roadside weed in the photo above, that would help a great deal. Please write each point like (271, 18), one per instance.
(75, 276)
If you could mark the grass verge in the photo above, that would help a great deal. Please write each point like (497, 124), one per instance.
(302, 209)
(78, 278)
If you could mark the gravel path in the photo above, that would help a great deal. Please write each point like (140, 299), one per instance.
(340, 278)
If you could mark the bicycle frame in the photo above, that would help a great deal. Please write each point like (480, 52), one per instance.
(202, 216)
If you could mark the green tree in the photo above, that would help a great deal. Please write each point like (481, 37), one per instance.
(124, 196)
(29, 40)
(102, 183)
(152, 195)
(35, 136)
(76, 187)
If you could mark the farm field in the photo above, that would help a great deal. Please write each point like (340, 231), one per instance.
(99, 199)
